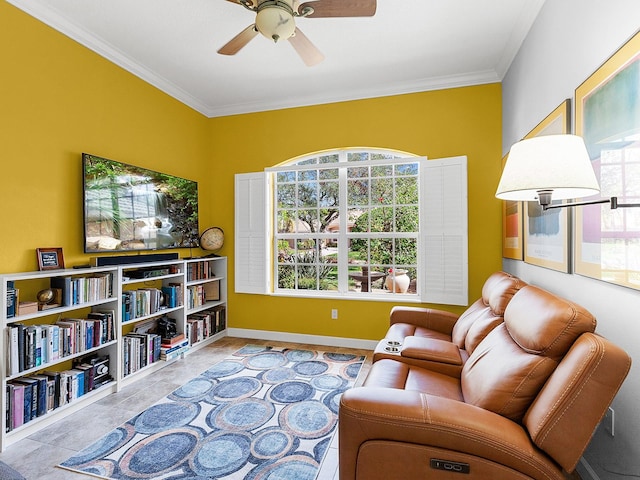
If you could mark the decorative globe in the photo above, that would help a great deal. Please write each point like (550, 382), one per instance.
(45, 296)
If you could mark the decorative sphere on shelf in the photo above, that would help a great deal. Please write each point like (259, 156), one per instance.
(45, 296)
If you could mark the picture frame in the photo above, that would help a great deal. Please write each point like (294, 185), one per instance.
(512, 226)
(546, 233)
(606, 242)
(50, 258)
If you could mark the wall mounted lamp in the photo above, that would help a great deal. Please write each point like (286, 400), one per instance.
(557, 166)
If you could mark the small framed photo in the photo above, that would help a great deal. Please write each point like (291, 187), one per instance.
(50, 258)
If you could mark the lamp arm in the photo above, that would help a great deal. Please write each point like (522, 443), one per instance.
(613, 202)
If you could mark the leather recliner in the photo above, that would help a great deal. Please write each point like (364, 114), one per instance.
(524, 406)
(440, 340)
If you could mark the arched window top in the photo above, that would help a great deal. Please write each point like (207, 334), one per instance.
(359, 154)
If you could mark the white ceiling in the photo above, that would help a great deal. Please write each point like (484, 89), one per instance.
(408, 46)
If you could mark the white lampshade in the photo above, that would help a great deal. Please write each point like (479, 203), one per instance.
(275, 22)
(556, 164)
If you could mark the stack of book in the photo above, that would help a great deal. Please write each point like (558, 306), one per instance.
(139, 350)
(31, 346)
(174, 347)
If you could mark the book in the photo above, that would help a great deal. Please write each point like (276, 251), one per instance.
(12, 299)
(65, 285)
(17, 404)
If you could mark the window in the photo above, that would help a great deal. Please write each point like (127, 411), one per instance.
(369, 224)
(347, 222)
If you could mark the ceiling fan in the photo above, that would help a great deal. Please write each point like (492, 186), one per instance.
(275, 20)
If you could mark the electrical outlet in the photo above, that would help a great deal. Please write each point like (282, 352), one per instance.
(334, 314)
(609, 421)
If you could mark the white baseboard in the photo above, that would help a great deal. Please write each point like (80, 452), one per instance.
(302, 338)
(585, 471)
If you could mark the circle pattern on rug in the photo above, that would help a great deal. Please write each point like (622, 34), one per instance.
(103, 447)
(247, 414)
(298, 467)
(159, 418)
(352, 370)
(264, 361)
(224, 368)
(328, 382)
(221, 454)
(277, 375)
(158, 453)
(272, 443)
(309, 419)
(300, 355)
(332, 400)
(236, 388)
(291, 391)
(311, 368)
(340, 357)
(194, 390)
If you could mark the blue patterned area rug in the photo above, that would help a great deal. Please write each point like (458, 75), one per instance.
(262, 413)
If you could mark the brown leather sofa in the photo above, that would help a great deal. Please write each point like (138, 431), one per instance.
(441, 340)
(524, 405)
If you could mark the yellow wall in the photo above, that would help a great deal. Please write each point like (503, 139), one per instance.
(445, 123)
(59, 99)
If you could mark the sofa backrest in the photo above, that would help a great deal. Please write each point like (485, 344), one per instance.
(487, 312)
(576, 397)
(508, 368)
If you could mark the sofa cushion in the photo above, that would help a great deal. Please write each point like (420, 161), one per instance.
(486, 312)
(389, 373)
(509, 367)
(544, 324)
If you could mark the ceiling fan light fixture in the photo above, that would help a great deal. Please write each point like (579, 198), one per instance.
(275, 20)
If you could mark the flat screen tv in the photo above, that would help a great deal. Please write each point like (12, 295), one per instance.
(128, 208)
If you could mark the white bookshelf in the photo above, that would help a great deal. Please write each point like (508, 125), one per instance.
(121, 279)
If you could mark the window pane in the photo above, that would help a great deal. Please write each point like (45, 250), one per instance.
(305, 175)
(357, 172)
(329, 278)
(407, 219)
(308, 194)
(334, 158)
(382, 191)
(382, 171)
(406, 250)
(407, 190)
(307, 221)
(356, 224)
(381, 219)
(329, 174)
(381, 250)
(329, 221)
(357, 157)
(406, 169)
(358, 251)
(329, 194)
(286, 276)
(307, 277)
(308, 161)
(286, 195)
(286, 221)
(358, 192)
(283, 177)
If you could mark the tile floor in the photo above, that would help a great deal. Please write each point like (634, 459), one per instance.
(36, 456)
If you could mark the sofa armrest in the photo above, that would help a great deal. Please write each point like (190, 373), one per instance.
(372, 414)
(431, 349)
(437, 320)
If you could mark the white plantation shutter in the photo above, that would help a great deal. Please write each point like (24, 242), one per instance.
(444, 231)
(251, 233)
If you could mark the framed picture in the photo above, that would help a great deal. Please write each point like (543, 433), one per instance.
(607, 242)
(511, 226)
(546, 233)
(50, 258)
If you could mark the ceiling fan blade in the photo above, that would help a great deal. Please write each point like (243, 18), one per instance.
(340, 8)
(239, 41)
(254, 2)
(308, 51)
